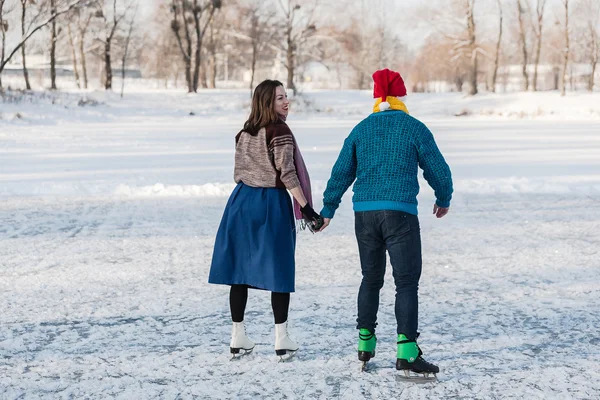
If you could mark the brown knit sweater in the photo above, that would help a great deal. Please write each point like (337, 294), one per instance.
(267, 159)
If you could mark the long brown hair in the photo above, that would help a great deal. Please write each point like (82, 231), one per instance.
(263, 107)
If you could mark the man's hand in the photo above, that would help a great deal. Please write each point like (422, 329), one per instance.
(440, 211)
(326, 222)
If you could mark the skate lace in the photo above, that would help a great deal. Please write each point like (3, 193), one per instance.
(366, 337)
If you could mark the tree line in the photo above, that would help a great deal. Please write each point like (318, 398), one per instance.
(465, 44)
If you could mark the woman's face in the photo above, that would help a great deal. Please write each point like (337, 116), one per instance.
(282, 103)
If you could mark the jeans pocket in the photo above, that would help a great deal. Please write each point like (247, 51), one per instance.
(397, 224)
(361, 223)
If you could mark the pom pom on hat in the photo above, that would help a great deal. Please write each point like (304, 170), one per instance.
(384, 106)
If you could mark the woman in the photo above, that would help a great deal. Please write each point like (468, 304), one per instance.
(256, 241)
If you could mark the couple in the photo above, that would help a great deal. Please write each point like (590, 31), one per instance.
(255, 243)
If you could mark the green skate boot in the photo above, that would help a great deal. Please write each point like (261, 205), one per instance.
(409, 361)
(366, 346)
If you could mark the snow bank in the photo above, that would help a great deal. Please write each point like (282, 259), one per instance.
(27, 108)
(522, 185)
(160, 190)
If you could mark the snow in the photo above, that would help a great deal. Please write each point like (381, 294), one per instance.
(108, 214)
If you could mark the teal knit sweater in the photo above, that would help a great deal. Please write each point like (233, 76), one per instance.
(383, 153)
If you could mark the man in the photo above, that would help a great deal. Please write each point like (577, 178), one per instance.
(383, 154)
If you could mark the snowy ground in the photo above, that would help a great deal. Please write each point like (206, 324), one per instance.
(108, 215)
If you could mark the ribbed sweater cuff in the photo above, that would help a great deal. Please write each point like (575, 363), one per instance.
(443, 204)
(327, 212)
(291, 183)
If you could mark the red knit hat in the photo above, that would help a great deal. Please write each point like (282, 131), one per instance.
(388, 83)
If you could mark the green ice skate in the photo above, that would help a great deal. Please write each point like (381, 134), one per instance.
(409, 361)
(366, 346)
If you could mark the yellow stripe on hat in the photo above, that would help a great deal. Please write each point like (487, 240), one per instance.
(395, 104)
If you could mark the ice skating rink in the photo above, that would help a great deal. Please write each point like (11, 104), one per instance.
(107, 222)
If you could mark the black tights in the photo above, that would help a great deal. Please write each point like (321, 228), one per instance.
(238, 297)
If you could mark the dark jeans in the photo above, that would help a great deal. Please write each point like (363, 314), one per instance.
(398, 233)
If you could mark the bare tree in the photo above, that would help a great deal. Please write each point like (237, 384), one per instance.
(594, 44)
(84, 19)
(113, 16)
(212, 46)
(36, 26)
(523, 41)
(200, 26)
(4, 11)
(539, 26)
(472, 43)
(299, 27)
(200, 15)
(73, 54)
(23, 50)
(126, 49)
(455, 22)
(586, 35)
(179, 9)
(258, 28)
(162, 59)
(54, 38)
(498, 46)
(566, 49)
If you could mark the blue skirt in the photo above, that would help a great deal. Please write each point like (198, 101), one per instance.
(256, 241)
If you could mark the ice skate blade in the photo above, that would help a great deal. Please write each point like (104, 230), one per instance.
(236, 354)
(285, 355)
(363, 366)
(408, 376)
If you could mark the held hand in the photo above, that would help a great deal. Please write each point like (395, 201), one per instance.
(440, 211)
(313, 220)
(326, 222)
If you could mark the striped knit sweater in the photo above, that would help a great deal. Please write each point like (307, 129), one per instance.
(267, 159)
(383, 154)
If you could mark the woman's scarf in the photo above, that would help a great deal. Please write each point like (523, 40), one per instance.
(393, 103)
(303, 177)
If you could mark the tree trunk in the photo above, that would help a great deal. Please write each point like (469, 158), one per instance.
(497, 55)
(23, 52)
(213, 71)
(188, 75)
(538, 52)
(591, 81)
(125, 53)
(82, 34)
(73, 55)
(3, 41)
(53, 47)
(188, 53)
(290, 56)
(595, 51)
(473, 46)
(198, 53)
(540, 23)
(108, 65)
(458, 82)
(253, 67)
(563, 88)
(203, 79)
(290, 63)
(473, 90)
(83, 60)
(523, 40)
